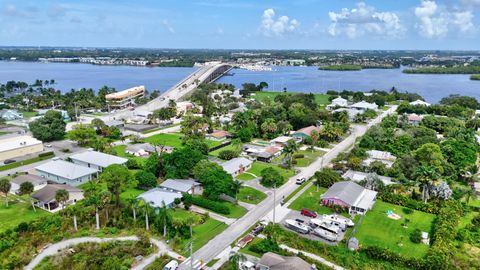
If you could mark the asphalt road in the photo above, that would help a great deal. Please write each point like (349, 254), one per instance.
(223, 240)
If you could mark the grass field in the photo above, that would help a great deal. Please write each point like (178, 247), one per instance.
(173, 140)
(29, 114)
(379, 230)
(250, 195)
(257, 168)
(311, 199)
(236, 211)
(321, 99)
(201, 235)
(17, 212)
(228, 147)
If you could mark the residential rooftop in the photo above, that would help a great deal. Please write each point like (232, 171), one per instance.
(67, 170)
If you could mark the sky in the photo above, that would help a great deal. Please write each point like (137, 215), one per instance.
(247, 24)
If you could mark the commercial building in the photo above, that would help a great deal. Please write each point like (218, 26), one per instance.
(125, 98)
(19, 146)
(64, 172)
(96, 160)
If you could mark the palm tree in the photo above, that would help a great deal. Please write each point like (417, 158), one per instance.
(105, 199)
(5, 187)
(235, 259)
(26, 188)
(425, 175)
(62, 196)
(236, 186)
(164, 218)
(191, 221)
(470, 194)
(132, 201)
(74, 210)
(92, 194)
(289, 150)
(315, 136)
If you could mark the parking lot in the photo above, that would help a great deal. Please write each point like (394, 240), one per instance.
(296, 215)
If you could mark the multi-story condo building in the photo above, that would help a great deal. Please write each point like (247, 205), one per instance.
(125, 98)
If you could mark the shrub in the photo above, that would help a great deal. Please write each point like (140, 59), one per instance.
(416, 236)
(133, 164)
(46, 154)
(408, 202)
(206, 203)
(298, 156)
(228, 154)
(146, 179)
(271, 177)
(264, 246)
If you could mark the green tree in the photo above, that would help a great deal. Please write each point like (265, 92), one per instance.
(214, 179)
(290, 149)
(26, 188)
(326, 177)
(145, 179)
(82, 134)
(62, 196)
(271, 177)
(5, 187)
(245, 134)
(152, 164)
(50, 127)
(181, 161)
(117, 178)
(430, 154)
(425, 175)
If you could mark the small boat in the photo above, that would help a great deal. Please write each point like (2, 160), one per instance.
(327, 225)
(338, 219)
(325, 234)
(297, 226)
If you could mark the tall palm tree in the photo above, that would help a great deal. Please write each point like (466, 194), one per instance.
(26, 188)
(132, 202)
(62, 196)
(5, 187)
(289, 150)
(92, 194)
(425, 175)
(105, 199)
(73, 210)
(236, 186)
(236, 259)
(164, 218)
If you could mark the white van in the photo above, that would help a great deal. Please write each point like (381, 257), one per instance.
(172, 265)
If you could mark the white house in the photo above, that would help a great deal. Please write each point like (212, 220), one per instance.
(363, 105)
(45, 197)
(189, 186)
(360, 176)
(158, 197)
(64, 172)
(37, 182)
(96, 160)
(338, 102)
(351, 112)
(385, 157)
(237, 165)
(350, 195)
(419, 102)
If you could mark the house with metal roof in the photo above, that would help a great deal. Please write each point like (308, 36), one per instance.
(338, 102)
(384, 157)
(10, 114)
(237, 165)
(97, 160)
(158, 197)
(350, 195)
(45, 197)
(363, 105)
(357, 176)
(189, 186)
(419, 102)
(37, 182)
(273, 261)
(63, 172)
(145, 149)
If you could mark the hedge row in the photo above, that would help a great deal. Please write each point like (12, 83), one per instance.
(206, 203)
(46, 154)
(408, 202)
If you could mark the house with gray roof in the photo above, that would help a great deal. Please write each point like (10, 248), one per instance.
(158, 197)
(37, 182)
(45, 197)
(350, 195)
(357, 176)
(273, 261)
(237, 165)
(63, 172)
(145, 149)
(189, 186)
(9, 115)
(96, 160)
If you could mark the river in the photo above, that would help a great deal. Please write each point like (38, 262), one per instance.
(296, 79)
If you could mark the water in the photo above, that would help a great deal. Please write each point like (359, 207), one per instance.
(309, 79)
(295, 79)
(69, 76)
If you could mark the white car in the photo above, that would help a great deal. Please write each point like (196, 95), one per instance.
(300, 180)
(48, 145)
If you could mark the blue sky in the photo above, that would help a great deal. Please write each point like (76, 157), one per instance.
(229, 24)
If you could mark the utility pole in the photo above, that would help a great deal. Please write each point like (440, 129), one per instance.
(191, 255)
(274, 199)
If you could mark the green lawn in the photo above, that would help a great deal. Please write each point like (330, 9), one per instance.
(236, 211)
(17, 212)
(201, 235)
(309, 157)
(130, 193)
(377, 229)
(173, 140)
(251, 195)
(311, 199)
(168, 139)
(228, 147)
(320, 99)
(247, 250)
(29, 114)
(257, 168)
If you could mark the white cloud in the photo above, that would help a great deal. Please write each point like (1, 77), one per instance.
(436, 22)
(363, 20)
(277, 27)
(12, 10)
(168, 26)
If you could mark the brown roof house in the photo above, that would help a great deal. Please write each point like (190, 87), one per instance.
(305, 132)
(272, 261)
(219, 135)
